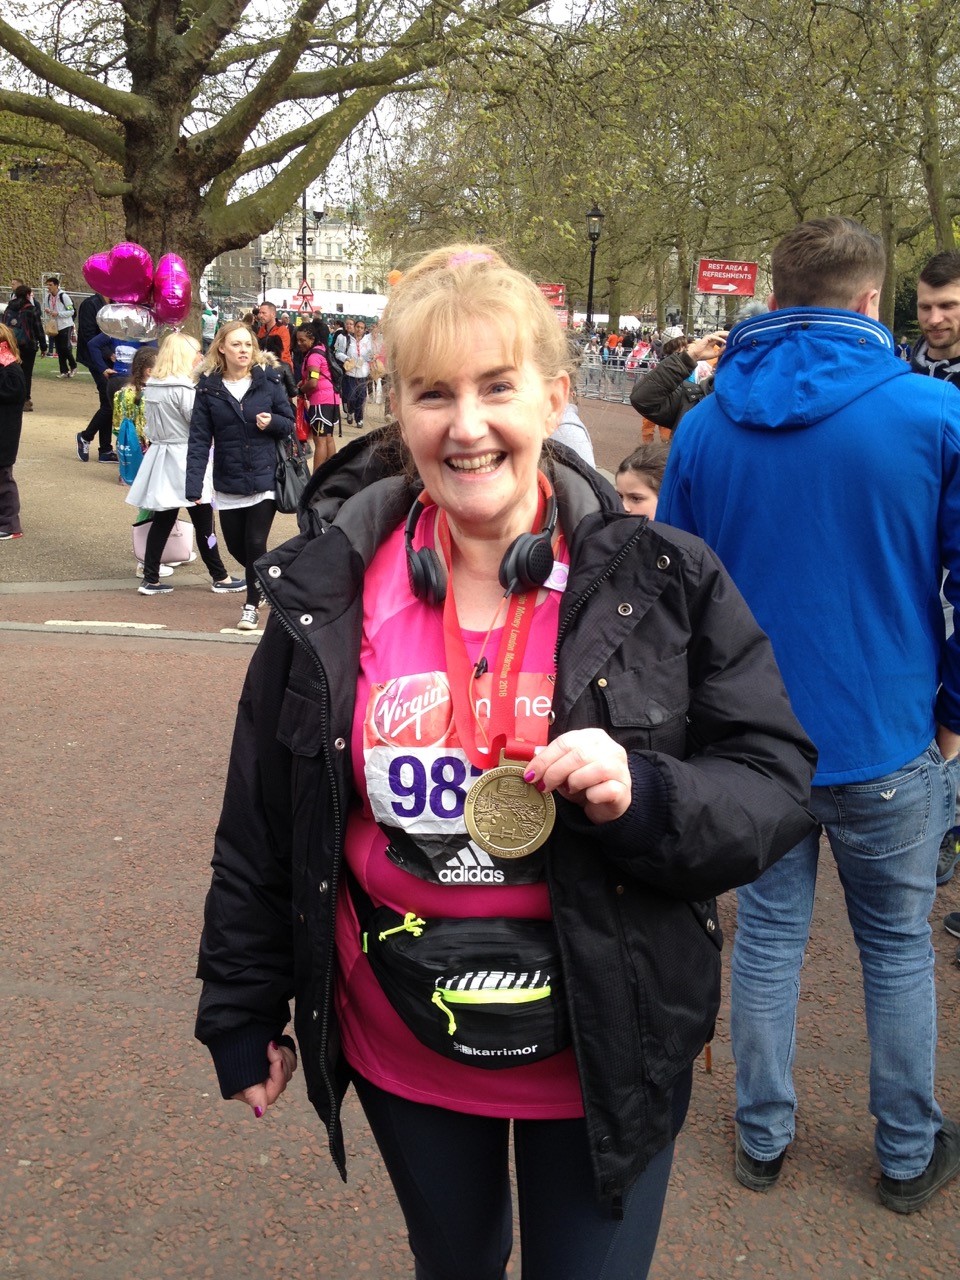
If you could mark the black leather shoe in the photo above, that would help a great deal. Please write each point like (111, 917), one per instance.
(758, 1175)
(908, 1196)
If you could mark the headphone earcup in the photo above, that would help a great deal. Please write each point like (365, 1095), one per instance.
(527, 563)
(428, 578)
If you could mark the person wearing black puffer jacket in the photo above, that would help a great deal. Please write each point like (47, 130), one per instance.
(242, 409)
(494, 714)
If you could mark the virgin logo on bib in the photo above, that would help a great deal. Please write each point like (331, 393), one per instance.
(418, 775)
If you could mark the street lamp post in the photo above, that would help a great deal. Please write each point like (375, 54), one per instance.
(594, 222)
(264, 268)
(318, 216)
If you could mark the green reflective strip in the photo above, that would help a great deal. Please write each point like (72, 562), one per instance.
(363, 942)
(524, 995)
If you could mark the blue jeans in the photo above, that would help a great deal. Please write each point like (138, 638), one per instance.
(885, 836)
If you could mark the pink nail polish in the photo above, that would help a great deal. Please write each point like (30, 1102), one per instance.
(258, 1112)
(541, 785)
(529, 776)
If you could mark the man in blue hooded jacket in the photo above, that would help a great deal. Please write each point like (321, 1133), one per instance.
(827, 477)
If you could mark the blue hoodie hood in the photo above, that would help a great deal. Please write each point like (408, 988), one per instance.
(791, 369)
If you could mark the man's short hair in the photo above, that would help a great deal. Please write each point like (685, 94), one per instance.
(52, 280)
(826, 262)
(942, 269)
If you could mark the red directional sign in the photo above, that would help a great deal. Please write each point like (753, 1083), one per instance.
(555, 294)
(305, 292)
(730, 278)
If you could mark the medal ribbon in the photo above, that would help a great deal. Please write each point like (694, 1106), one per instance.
(505, 670)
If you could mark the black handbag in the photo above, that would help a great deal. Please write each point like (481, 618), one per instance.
(484, 991)
(292, 474)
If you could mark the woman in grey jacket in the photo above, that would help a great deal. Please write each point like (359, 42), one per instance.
(159, 484)
(492, 708)
(242, 410)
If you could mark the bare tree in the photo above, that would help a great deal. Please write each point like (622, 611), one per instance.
(208, 118)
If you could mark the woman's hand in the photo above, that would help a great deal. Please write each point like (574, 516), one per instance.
(264, 420)
(283, 1063)
(587, 767)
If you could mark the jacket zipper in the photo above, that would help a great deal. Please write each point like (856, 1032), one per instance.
(323, 689)
(585, 595)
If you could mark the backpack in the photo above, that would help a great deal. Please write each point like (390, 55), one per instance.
(336, 372)
(13, 319)
(129, 451)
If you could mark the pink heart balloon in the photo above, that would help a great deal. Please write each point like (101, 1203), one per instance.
(125, 274)
(172, 290)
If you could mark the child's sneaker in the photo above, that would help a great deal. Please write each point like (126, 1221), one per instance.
(249, 619)
(229, 585)
(154, 589)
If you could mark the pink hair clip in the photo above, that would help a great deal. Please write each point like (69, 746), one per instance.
(466, 256)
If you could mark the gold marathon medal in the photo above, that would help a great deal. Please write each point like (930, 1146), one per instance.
(507, 817)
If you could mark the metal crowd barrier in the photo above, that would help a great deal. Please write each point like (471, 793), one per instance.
(609, 382)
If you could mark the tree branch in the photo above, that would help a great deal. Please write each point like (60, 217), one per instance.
(76, 124)
(206, 35)
(227, 137)
(286, 187)
(116, 102)
(99, 184)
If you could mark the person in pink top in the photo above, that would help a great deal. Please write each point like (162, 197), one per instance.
(317, 388)
(499, 747)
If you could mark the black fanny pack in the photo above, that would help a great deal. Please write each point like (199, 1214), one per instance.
(485, 991)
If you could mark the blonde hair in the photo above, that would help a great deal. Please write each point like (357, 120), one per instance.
(176, 357)
(7, 336)
(427, 321)
(214, 357)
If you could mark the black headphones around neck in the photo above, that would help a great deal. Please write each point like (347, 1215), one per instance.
(526, 564)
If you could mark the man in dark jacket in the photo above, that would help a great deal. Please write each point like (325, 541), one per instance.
(812, 398)
(23, 317)
(665, 393)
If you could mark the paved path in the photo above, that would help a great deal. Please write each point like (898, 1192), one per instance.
(119, 1160)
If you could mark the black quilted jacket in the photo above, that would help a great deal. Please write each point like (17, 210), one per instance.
(656, 646)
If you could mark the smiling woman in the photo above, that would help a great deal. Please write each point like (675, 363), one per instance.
(499, 747)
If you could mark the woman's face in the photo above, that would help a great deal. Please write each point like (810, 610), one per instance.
(237, 353)
(476, 434)
(304, 339)
(639, 498)
(359, 329)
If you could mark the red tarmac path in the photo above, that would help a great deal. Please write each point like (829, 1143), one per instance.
(118, 1159)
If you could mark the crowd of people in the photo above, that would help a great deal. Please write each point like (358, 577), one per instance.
(512, 728)
(303, 378)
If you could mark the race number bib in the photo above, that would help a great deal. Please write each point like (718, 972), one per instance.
(418, 776)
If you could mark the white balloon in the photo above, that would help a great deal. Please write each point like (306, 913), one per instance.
(128, 320)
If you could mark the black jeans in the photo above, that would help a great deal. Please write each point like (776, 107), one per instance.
(102, 421)
(9, 502)
(245, 531)
(450, 1173)
(65, 349)
(28, 358)
(354, 396)
(163, 522)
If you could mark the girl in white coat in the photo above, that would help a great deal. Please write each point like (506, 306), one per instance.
(159, 484)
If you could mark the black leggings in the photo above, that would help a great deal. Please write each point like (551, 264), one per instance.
(245, 531)
(450, 1173)
(201, 517)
